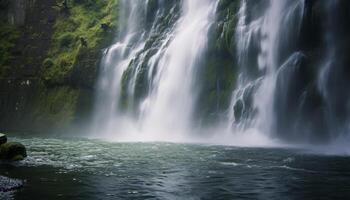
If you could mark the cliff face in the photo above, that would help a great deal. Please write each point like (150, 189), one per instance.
(14, 12)
(47, 77)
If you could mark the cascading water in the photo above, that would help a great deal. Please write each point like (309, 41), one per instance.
(333, 76)
(170, 103)
(287, 88)
(263, 42)
(146, 86)
(116, 60)
(164, 71)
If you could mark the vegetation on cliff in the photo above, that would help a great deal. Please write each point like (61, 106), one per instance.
(82, 27)
(220, 67)
(8, 37)
(49, 64)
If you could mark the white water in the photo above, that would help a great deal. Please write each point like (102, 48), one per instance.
(270, 31)
(114, 63)
(169, 106)
(166, 111)
(268, 61)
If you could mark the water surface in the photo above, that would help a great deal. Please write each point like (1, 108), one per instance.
(91, 169)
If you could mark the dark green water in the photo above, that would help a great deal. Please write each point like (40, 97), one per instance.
(91, 169)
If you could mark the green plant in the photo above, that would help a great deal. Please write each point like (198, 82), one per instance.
(78, 29)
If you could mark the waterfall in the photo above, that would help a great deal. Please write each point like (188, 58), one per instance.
(292, 83)
(333, 76)
(169, 71)
(115, 61)
(171, 100)
(147, 87)
(271, 34)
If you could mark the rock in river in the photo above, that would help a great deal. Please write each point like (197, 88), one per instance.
(12, 151)
(3, 138)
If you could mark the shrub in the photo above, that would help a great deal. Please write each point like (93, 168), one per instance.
(48, 63)
(66, 40)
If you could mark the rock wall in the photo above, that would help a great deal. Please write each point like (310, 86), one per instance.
(30, 34)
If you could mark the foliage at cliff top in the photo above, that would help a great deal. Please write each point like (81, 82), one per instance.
(81, 25)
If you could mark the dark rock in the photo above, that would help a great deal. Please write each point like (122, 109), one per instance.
(12, 151)
(4, 4)
(238, 110)
(105, 26)
(3, 139)
(65, 4)
(7, 184)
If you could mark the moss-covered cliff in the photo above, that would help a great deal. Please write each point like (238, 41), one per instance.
(220, 66)
(50, 51)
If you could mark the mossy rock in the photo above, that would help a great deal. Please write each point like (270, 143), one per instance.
(12, 151)
(3, 138)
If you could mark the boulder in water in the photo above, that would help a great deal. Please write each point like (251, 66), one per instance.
(7, 184)
(3, 138)
(12, 151)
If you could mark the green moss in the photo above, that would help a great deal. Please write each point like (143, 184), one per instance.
(80, 27)
(55, 107)
(220, 68)
(66, 40)
(12, 151)
(48, 63)
(227, 11)
(8, 37)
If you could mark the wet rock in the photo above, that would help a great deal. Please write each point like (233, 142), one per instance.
(12, 151)
(8, 184)
(3, 138)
